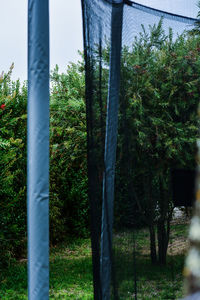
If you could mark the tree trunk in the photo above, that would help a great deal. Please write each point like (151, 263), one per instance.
(153, 244)
(163, 225)
(162, 242)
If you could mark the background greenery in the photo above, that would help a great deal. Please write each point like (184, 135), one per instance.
(160, 92)
(157, 128)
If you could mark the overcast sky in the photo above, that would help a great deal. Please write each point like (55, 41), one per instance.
(65, 30)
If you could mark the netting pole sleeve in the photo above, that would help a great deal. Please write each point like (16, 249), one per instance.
(93, 179)
(38, 150)
(110, 149)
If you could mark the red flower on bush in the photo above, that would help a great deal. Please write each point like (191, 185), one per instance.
(3, 106)
(137, 66)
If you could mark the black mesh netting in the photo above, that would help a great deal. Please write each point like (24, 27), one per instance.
(134, 75)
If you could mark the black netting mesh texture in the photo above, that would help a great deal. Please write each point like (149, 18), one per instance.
(136, 234)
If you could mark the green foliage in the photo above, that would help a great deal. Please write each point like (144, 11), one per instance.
(159, 91)
(68, 179)
(162, 90)
(12, 167)
(68, 149)
(158, 123)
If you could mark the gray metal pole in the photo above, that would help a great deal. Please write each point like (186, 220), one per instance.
(110, 148)
(38, 150)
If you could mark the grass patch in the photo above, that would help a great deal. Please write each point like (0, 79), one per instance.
(153, 281)
(70, 274)
(71, 269)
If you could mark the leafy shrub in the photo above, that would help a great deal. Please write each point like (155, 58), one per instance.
(68, 173)
(12, 167)
(68, 176)
(160, 94)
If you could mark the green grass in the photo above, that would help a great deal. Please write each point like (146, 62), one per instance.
(153, 281)
(71, 270)
(70, 274)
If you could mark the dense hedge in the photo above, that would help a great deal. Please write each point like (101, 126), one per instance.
(68, 180)
(162, 92)
(68, 166)
(12, 167)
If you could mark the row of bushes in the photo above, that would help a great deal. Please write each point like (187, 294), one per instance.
(161, 87)
(161, 79)
(68, 180)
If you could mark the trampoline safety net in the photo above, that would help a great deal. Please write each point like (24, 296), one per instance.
(135, 144)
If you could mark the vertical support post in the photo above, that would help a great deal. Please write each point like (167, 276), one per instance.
(38, 150)
(110, 148)
(191, 270)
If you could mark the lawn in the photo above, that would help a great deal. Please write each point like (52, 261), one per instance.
(152, 281)
(71, 270)
(70, 274)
